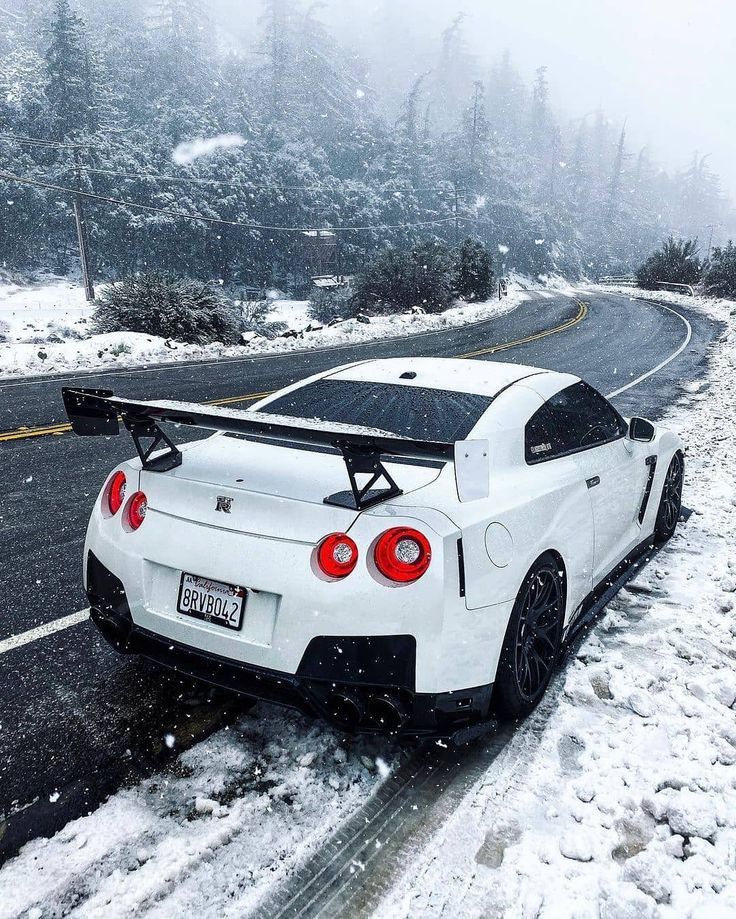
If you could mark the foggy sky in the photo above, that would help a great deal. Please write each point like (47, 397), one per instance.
(666, 66)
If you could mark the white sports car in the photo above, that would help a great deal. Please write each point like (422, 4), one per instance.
(394, 545)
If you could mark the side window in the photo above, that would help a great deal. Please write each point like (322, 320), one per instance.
(574, 419)
(601, 421)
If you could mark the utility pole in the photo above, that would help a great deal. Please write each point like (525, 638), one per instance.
(89, 290)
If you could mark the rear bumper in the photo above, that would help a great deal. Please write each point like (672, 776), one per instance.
(361, 676)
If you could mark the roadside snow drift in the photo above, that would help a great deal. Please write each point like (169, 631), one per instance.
(44, 329)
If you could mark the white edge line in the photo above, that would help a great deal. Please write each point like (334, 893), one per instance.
(42, 631)
(649, 373)
(57, 625)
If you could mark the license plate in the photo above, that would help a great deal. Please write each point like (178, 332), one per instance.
(211, 601)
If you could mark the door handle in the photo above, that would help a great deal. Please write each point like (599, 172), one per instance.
(595, 480)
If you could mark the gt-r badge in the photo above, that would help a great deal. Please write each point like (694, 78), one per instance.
(224, 504)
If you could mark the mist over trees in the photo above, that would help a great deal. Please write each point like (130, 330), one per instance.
(467, 149)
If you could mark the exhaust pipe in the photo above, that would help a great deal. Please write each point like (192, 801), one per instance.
(387, 712)
(344, 709)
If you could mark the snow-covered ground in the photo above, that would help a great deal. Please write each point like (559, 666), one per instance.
(714, 305)
(44, 329)
(627, 806)
(208, 837)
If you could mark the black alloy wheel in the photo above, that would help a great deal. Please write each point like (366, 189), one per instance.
(533, 640)
(670, 503)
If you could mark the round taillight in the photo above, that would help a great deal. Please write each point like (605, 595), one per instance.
(116, 492)
(137, 507)
(402, 554)
(337, 555)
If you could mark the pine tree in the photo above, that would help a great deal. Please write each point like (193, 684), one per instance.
(473, 271)
(70, 87)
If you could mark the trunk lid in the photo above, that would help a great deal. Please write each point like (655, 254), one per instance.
(264, 489)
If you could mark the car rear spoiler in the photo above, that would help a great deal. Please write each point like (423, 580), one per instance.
(98, 412)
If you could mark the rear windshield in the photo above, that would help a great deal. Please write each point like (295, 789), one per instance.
(407, 411)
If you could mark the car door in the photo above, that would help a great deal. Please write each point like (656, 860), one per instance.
(615, 479)
(614, 473)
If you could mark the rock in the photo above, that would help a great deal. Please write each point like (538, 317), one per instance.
(308, 758)
(692, 814)
(290, 333)
(576, 847)
(657, 805)
(585, 791)
(641, 703)
(723, 687)
(673, 846)
(649, 874)
(626, 901)
(361, 317)
(205, 805)
(43, 355)
(56, 339)
(313, 327)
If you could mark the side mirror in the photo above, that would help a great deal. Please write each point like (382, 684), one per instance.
(642, 430)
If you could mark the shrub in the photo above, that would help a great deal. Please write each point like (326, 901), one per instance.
(676, 262)
(157, 304)
(254, 312)
(720, 275)
(327, 305)
(473, 272)
(397, 280)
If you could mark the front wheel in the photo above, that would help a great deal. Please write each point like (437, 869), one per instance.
(533, 639)
(670, 503)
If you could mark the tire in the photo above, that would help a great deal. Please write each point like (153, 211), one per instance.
(533, 639)
(670, 504)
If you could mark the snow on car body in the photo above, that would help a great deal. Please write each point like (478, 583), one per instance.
(502, 497)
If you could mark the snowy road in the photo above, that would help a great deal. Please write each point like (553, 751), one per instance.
(78, 720)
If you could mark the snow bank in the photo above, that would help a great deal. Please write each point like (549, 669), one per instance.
(618, 797)
(711, 305)
(46, 331)
(232, 816)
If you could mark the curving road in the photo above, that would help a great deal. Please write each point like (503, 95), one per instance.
(79, 720)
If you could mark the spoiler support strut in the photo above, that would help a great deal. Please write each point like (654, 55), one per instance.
(363, 461)
(169, 459)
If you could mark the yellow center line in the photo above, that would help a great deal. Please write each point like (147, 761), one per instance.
(24, 433)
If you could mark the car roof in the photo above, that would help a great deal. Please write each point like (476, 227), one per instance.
(486, 378)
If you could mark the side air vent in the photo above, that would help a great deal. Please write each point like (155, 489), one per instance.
(651, 462)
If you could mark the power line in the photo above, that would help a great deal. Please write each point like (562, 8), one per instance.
(219, 220)
(37, 142)
(325, 186)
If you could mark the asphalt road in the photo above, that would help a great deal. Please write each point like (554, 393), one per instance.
(76, 720)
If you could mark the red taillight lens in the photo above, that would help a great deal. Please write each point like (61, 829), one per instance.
(337, 555)
(137, 507)
(116, 492)
(402, 554)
